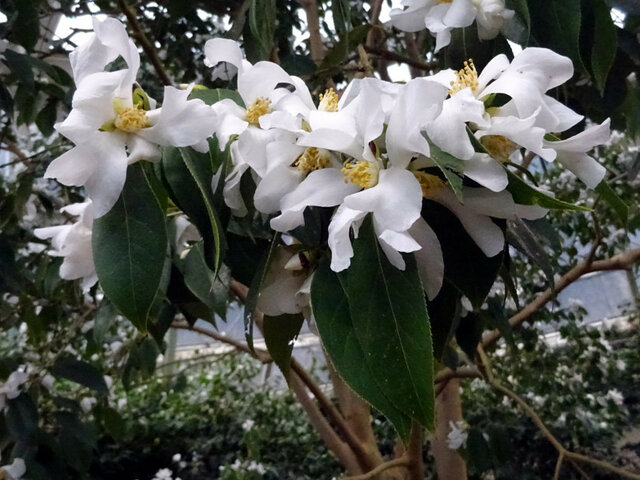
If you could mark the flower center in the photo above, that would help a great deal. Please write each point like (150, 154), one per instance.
(328, 101)
(430, 184)
(312, 159)
(361, 173)
(498, 146)
(466, 77)
(131, 119)
(260, 106)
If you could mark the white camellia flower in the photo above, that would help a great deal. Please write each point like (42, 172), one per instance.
(73, 242)
(11, 388)
(442, 16)
(113, 126)
(458, 434)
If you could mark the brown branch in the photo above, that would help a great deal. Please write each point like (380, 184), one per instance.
(562, 451)
(556, 474)
(398, 462)
(147, 46)
(412, 49)
(396, 57)
(414, 452)
(622, 261)
(316, 45)
(13, 148)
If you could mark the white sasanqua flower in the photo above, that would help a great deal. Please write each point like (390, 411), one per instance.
(458, 434)
(73, 242)
(11, 388)
(442, 16)
(262, 87)
(113, 124)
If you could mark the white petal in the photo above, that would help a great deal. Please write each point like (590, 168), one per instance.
(218, 50)
(231, 120)
(279, 292)
(584, 167)
(276, 184)
(486, 171)
(395, 201)
(106, 182)
(429, 258)
(260, 80)
(321, 188)
(339, 236)
(584, 141)
(141, 149)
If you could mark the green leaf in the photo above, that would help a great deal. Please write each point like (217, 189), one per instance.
(198, 277)
(262, 22)
(201, 169)
(113, 422)
(77, 440)
(79, 371)
(465, 266)
(524, 194)
(337, 54)
(469, 333)
(6, 101)
(443, 311)
(26, 26)
(615, 202)
(211, 96)
(338, 334)
(341, 11)
(448, 164)
(20, 65)
(518, 28)
(47, 117)
(279, 334)
(529, 243)
(605, 43)
(129, 248)
(555, 24)
(21, 417)
(391, 323)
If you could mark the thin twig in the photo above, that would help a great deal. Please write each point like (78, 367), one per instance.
(146, 45)
(556, 474)
(485, 365)
(398, 462)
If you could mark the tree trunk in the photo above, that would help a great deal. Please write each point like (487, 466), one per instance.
(449, 464)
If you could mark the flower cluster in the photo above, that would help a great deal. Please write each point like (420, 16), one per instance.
(385, 149)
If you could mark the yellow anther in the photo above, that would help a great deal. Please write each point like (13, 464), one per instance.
(312, 159)
(498, 146)
(131, 119)
(466, 77)
(362, 173)
(328, 101)
(443, 1)
(430, 184)
(260, 106)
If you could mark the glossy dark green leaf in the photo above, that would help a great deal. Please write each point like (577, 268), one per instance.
(605, 43)
(130, 248)
(390, 319)
(337, 331)
(77, 441)
(47, 117)
(26, 26)
(527, 241)
(113, 422)
(279, 334)
(615, 202)
(465, 266)
(214, 95)
(469, 333)
(525, 194)
(448, 165)
(20, 65)
(341, 10)
(201, 168)
(198, 277)
(443, 313)
(79, 371)
(21, 417)
(555, 24)
(103, 320)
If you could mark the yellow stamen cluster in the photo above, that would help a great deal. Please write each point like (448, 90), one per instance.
(361, 173)
(498, 146)
(312, 159)
(260, 106)
(328, 101)
(430, 184)
(131, 119)
(465, 77)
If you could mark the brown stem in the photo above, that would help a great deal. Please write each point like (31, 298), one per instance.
(316, 45)
(396, 57)
(398, 462)
(414, 452)
(146, 45)
(412, 49)
(13, 148)
(449, 464)
(622, 261)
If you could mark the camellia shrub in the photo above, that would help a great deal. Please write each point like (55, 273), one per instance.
(408, 223)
